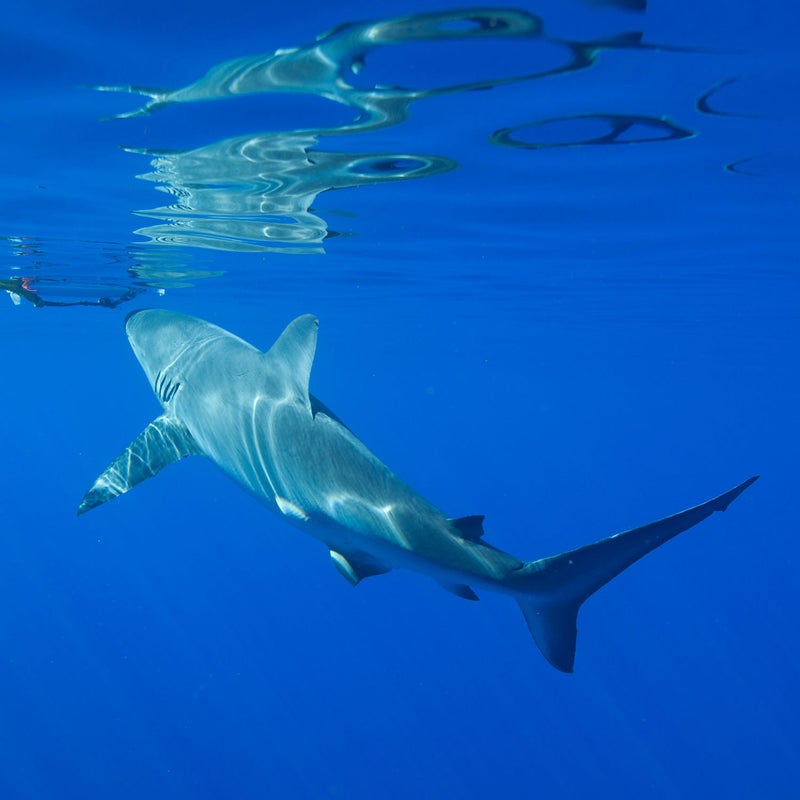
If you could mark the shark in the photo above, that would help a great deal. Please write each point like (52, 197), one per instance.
(251, 413)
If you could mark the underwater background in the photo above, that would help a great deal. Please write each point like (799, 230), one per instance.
(558, 286)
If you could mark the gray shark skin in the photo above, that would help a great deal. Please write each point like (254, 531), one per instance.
(251, 413)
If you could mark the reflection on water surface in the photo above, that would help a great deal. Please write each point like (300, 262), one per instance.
(257, 192)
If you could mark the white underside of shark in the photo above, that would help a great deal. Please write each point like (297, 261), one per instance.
(251, 413)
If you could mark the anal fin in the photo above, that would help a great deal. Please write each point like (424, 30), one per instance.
(460, 590)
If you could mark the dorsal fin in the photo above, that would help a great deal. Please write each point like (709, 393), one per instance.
(293, 354)
(469, 527)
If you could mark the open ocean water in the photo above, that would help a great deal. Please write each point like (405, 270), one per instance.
(558, 285)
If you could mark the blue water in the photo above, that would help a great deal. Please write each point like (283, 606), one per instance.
(557, 286)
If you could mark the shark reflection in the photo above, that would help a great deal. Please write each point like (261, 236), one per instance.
(44, 292)
(328, 67)
(256, 193)
(110, 274)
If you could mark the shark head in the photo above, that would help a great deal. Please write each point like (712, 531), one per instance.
(166, 341)
(171, 346)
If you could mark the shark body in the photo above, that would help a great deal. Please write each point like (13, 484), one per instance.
(251, 413)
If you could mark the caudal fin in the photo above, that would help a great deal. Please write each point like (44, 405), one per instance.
(550, 591)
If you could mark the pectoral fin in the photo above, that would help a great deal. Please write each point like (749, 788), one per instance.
(162, 442)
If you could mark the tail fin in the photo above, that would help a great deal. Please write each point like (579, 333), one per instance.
(158, 98)
(550, 591)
